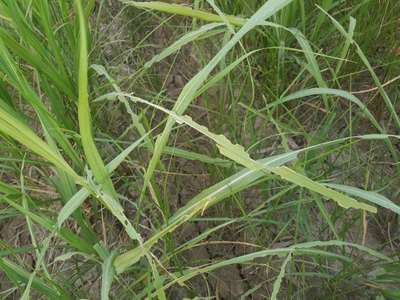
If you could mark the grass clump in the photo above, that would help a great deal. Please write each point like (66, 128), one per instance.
(199, 150)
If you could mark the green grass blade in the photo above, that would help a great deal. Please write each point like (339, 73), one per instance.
(91, 153)
(107, 277)
(346, 46)
(312, 66)
(72, 205)
(14, 128)
(278, 280)
(182, 11)
(372, 197)
(328, 219)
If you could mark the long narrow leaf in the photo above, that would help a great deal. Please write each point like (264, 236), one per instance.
(92, 155)
(107, 276)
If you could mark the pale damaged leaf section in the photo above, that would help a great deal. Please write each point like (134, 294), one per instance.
(238, 154)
